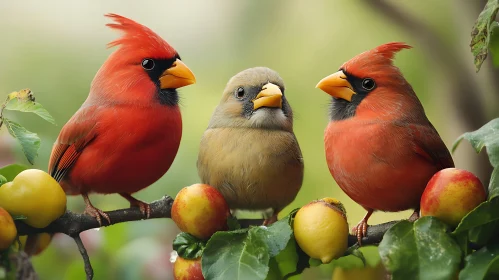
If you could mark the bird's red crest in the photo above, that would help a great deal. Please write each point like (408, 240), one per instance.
(375, 62)
(138, 37)
(390, 49)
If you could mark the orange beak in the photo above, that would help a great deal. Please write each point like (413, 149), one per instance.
(337, 86)
(269, 96)
(177, 76)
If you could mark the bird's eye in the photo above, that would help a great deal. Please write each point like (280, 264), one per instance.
(368, 84)
(239, 93)
(148, 64)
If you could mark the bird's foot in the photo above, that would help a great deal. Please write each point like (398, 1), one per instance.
(360, 230)
(270, 216)
(96, 213)
(270, 220)
(144, 207)
(414, 216)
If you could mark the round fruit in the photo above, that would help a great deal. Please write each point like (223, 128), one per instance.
(200, 210)
(39, 243)
(185, 269)
(36, 195)
(321, 229)
(8, 231)
(451, 194)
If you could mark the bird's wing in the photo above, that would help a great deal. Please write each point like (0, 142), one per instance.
(74, 136)
(429, 145)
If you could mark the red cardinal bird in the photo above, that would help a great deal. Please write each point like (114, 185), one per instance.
(126, 134)
(380, 147)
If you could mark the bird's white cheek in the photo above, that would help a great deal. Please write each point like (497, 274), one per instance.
(266, 117)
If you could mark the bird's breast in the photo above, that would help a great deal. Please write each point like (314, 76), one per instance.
(374, 164)
(133, 148)
(253, 168)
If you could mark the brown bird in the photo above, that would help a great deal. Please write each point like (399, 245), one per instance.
(380, 147)
(249, 151)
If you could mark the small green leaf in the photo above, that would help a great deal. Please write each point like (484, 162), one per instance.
(484, 213)
(494, 43)
(19, 217)
(188, 246)
(29, 107)
(233, 223)
(481, 263)
(11, 171)
(276, 236)
(3, 180)
(481, 235)
(357, 253)
(486, 136)
(30, 142)
(420, 250)
(480, 35)
(494, 184)
(288, 258)
(236, 255)
(463, 242)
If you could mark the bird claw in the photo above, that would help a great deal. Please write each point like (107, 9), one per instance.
(96, 213)
(414, 216)
(144, 207)
(270, 216)
(360, 230)
(270, 220)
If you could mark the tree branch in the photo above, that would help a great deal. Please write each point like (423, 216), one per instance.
(89, 271)
(73, 224)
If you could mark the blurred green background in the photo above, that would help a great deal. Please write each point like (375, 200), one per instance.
(55, 48)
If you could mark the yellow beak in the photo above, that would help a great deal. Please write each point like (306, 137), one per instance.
(337, 86)
(269, 96)
(177, 76)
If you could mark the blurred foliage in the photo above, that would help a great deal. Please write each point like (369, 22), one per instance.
(56, 54)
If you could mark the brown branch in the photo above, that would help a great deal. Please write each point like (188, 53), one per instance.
(73, 224)
(89, 271)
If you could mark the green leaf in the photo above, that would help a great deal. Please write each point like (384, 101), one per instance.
(276, 236)
(274, 271)
(463, 242)
(494, 184)
(481, 235)
(420, 250)
(484, 213)
(494, 43)
(29, 107)
(18, 217)
(30, 142)
(480, 35)
(188, 246)
(486, 136)
(480, 263)
(3, 180)
(236, 255)
(11, 171)
(233, 223)
(288, 258)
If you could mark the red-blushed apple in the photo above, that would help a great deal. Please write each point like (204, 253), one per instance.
(8, 230)
(200, 210)
(451, 194)
(185, 269)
